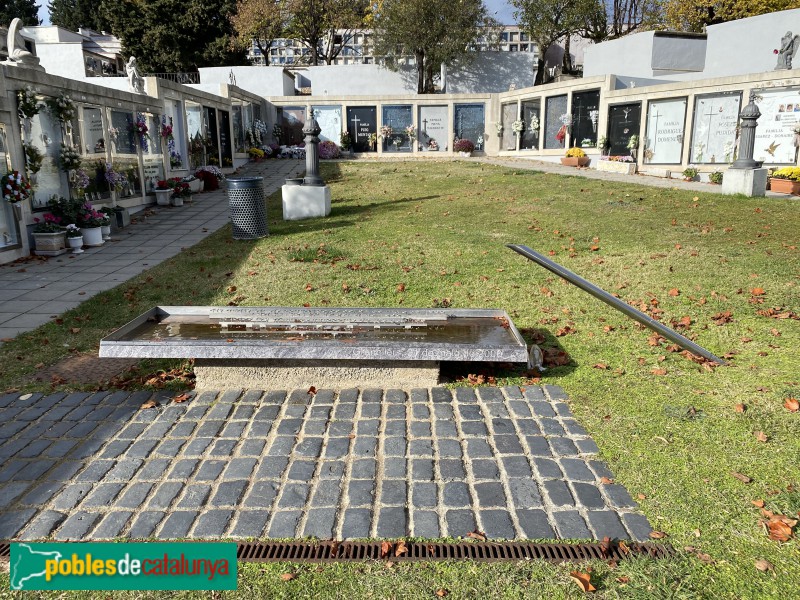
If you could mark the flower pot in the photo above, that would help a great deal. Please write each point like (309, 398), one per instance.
(177, 200)
(784, 186)
(50, 244)
(92, 236)
(106, 231)
(615, 166)
(162, 197)
(76, 244)
(575, 161)
(465, 154)
(196, 185)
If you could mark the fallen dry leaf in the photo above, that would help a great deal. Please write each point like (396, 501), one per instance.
(477, 535)
(792, 404)
(779, 531)
(741, 477)
(674, 292)
(401, 287)
(386, 548)
(149, 404)
(764, 565)
(400, 548)
(181, 398)
(658, 535)
(583, 580)
(761, 436)
(758, 291)
(288, 576)
(757, 503)
(606, 480)
(312, 391)
(659, 371)
(75, 330)
(740, 408)
(441, 592)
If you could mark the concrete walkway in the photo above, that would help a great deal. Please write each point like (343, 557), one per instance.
(33, 293)
(511, 462)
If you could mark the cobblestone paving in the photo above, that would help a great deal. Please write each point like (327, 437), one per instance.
(375, 463)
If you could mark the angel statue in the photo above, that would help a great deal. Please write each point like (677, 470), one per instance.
(135, 81)
(18, 55)
(789, 47)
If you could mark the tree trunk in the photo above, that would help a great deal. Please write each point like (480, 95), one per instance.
(429, 87)
(420, 58)
(566, 63)
(540, 74)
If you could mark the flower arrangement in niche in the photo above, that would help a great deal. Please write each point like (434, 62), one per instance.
(166, 128)
(49, 223)
(463, 146)
(534, 123)
(386, 131)
(593, 116)
(566, 119)
(411, 132)
(28, 103)
(15, 187)
(633, 142)
(69, 158)
(175, 160)
(373, 139)
(499, 127)
(730, 146)
(80, 180)
(518, 126)
(277, 131)
(139, 127)
(116, 180)
(62, 108)
(33, 158)
(113, 133)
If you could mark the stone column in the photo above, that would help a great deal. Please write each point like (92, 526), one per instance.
(747, 140)
(312, 131)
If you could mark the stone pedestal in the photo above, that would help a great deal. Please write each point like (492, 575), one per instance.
(749, 182)
(228, 374)
(305, 201)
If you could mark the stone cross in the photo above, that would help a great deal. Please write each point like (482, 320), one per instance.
(747, 141)
(312, 131)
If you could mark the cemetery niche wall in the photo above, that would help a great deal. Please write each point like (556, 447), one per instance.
(433, 134)
(666, 121)
(398, 117)
(329, 119)
(556, 130)
(623, 123)
(531, 115)
(714, 134)
(508, 141)
(585, 116)
(362, 125)
(780, 118)
(468, 123)
(292, 119)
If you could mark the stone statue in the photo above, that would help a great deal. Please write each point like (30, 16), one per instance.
(789, 47)
(135, 81)
(18, 55)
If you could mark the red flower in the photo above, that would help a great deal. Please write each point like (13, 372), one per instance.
(775, 51)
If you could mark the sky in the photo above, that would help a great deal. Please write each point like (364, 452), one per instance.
(502, 9)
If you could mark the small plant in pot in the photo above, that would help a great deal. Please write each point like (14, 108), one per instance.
(715, 177)
(180, 191)
(575, 157)
(48, 235)
(786, 181)
(690, 173)
(74, 238)
(464, 147)
(163, 191)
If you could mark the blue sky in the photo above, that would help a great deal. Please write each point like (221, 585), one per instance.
(504, 11)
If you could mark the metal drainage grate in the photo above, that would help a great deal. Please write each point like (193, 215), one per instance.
(415, 551)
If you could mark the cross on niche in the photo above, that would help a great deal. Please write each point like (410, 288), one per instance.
(710, 114)
(355, 121)
(657, 116)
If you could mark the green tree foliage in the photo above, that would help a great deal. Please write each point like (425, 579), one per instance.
(261, 22)
(73, 14)
(547, 21)
(695, 15)
(175, 35)
(26, 10)
(434, 32)
(326, 27)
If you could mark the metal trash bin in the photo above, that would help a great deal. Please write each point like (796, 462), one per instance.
(247, 207)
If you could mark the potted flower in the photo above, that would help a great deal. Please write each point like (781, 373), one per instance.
(328, 150)
(195, 183)
(180, 191)
(373, 140)
(256, 154)
(575, 157)
(212, 176)
(633, 144)
(163, 192)
(33, 160)
(48, 235)
(464, 147)
(716, 177)
(603, 144)
(74, 238)
(91, 221)
(690, 173)
(786, 181)
(499, 127)
(105, 228)
(69, 158)
(15, 189)
(411, 132)
(518, 127)
(346, 142)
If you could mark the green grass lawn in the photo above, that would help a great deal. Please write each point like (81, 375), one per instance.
(417, 234)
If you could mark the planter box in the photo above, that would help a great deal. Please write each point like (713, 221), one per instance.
(50, 244)
(784, 186)
(575, 161)
(613, 166)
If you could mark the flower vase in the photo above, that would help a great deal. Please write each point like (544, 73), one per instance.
(49, 244)
(17, 207)
(106, 232)
(76, 244)
(92, 236)
(177, 200)
(163, 197)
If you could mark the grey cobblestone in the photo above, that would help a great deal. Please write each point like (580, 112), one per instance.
(426, 524)
(112, 525)
(606, 523)
(13, 521)
(77, 525)
(195, 496)
(284, 523)
(145, 524)
(570, 524)
(356, 523)
(177, 524)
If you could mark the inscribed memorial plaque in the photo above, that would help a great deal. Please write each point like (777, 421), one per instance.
(93, 131)
(780, 114)
(210, 120)
(468, 123)
(292, 120)
(225, 137)
(508, 141)
(585, 115)
(531, 114)
(714, 134)
(397, 117)
(623, 123)
(433, 128)
(362, 123)
(122, 137)
(329, 119)
(45, 135)
(666, 120)
(153, 172)
(554, 128)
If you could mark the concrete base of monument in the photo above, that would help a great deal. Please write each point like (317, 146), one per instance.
(305, 201)
(228, 374)
(749, 182)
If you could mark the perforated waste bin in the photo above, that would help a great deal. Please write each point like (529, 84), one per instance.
(247, 207)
